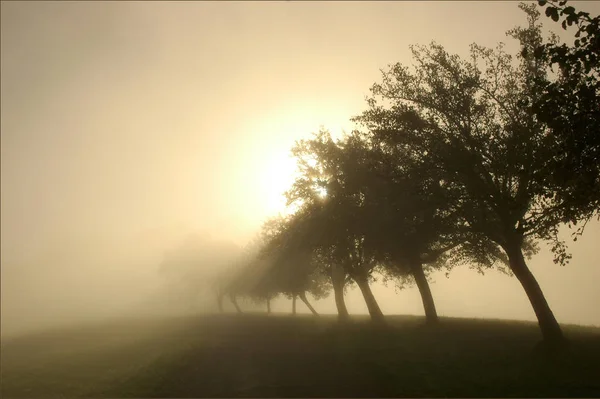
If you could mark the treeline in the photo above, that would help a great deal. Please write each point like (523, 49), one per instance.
(455, 161)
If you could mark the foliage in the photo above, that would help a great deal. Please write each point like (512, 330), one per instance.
(465, 124)
(570, 106)
(331, 199)
(291, 267)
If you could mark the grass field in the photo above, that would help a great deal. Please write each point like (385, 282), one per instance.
(284, 356)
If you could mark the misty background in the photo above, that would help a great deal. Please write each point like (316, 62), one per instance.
(128, 126)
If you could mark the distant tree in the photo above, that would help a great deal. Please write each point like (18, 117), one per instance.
(472, 125)
(202, 264)
(292, 270)
(300, 259)
(262, 289)
(248, 282)
(253, 277)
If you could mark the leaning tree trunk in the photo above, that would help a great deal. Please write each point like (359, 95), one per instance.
(305, 300)
(294, 305)
(428, 304)
(338, 280)
(268, 305)
(552, 333)
(372, 306)
(340, 303)
(235, 304)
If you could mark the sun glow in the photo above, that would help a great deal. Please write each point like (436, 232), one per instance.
(321, 192)
(278, 176)
(274, 168)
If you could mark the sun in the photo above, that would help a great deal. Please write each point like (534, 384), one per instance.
(280, 173)
(274, 168)
(278, 176)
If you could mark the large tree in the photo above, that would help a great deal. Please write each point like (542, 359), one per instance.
(470, 122)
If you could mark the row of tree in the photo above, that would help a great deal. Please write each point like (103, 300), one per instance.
(456, 161)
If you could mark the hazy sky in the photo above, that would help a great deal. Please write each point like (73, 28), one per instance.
(126, 124)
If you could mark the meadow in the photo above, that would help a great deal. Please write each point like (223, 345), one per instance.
(259, 355)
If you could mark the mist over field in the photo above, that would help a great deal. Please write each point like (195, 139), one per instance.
(85, 284)
(299, 199)
(129, 127)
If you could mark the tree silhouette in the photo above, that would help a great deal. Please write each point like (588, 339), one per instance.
(333, 218)
(397, 209)
(200, 263)
(471, 123)
(292, 270)
(340, 281)
(405, 215)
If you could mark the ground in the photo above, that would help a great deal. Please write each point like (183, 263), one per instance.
(302, 356)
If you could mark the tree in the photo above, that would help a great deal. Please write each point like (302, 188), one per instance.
(339, 279)
(333, 221)
(471, 123)
(262, 289)
(200, 264)
(296, 237)
(292, 270)
(405, 216)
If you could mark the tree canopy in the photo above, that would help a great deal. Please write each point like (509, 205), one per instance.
(569, 104)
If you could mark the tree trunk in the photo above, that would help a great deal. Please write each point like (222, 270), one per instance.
(340, 303)
(305, 300)
(374, 310)
(268, 305)
(294, 305)
(428, 304)
(220, 301)
(338, 280)
(235, 304)
(551, 331)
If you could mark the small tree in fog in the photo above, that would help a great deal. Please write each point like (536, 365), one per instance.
(199, 265)
(293, 270)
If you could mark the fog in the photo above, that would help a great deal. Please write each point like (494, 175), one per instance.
(128, 126)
